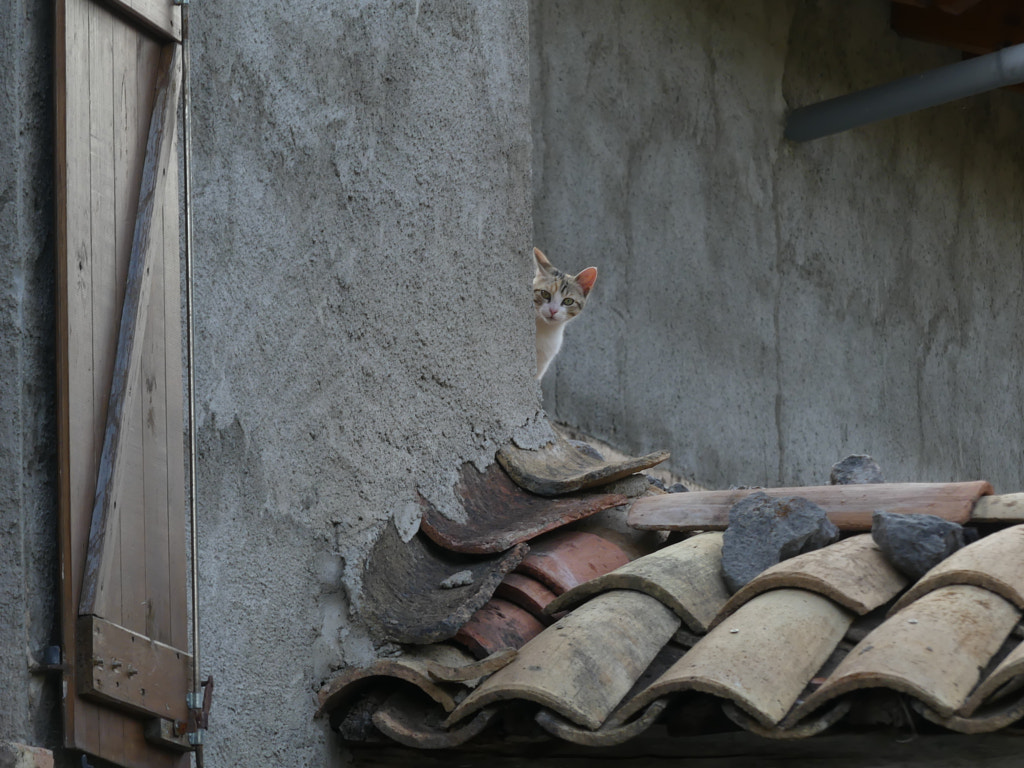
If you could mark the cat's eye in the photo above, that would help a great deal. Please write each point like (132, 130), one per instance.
(545, 295)
(567, 302)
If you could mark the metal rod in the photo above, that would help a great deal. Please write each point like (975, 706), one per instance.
(909, 94)
(186, 86)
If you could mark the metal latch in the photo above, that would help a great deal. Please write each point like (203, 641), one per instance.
(199, 712)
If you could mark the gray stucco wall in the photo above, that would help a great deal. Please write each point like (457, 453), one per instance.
(766, 308)
(28, 529)
(362, 238)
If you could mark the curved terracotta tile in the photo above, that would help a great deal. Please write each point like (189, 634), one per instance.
(761, 658)
(1006, 678)
(497, 625)
(529, 594)
(466, 668)
(403, 599)
(686, 577)
(498, 514)
(412, 721)
(990, 719)
(853, 572)
(567, 559)
(995, 562)
(932, 650)
(560, 467)
(412, 667)
(810, 726)
(582, 666)
(608, 735)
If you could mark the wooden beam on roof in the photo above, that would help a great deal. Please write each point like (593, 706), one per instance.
(981, 28)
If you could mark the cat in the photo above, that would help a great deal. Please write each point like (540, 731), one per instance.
(557, 298)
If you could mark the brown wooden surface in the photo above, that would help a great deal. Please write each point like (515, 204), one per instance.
(159, 18)
(129, 671)
(129, 417)
(848, 506)
(105, 77)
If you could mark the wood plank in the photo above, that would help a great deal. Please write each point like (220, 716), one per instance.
(105, 282)
(102, 533)
(131, 671)
(76, 474)
(132, 110)
(177, 517)
(161, 18)
(848, 506)
(980, 29)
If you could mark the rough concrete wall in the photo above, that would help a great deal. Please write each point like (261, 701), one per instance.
(28, 532)
(362, 235)
(766, 308)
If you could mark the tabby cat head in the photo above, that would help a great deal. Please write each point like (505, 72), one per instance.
(559, 297)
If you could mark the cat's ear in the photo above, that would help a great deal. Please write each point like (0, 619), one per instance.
(586, 279)
(543, 265)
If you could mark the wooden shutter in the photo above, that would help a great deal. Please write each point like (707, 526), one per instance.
(121, 463)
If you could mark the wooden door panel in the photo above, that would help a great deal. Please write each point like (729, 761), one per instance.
(110, 57)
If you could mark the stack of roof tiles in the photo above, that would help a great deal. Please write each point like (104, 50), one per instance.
(657, 637)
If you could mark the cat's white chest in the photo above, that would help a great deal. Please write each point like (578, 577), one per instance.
(549, 341)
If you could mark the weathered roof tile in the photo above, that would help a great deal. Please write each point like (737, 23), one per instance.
(686, 577)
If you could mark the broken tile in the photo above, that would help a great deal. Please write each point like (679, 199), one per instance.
(761, 658)
(498, 514)
(582, 666)
(566, 559)
(561, 467)
(497, 625)
(852, 572)
(995, 562)
(685, 576)
(402, 599)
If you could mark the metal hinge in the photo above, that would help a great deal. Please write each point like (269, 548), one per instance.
(199, 712)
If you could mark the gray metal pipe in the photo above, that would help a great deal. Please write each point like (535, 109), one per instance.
(909, 94)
